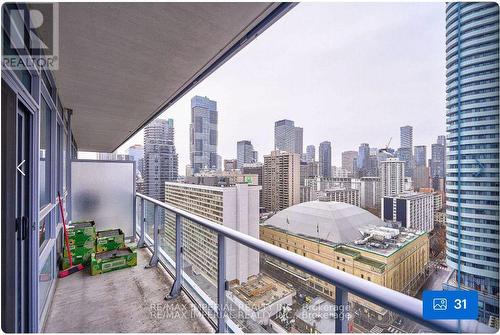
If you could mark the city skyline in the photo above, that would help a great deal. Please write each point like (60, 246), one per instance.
(348, 77)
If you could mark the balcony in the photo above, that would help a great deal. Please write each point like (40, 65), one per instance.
(92, 104)
(122, 301)
(147, 298)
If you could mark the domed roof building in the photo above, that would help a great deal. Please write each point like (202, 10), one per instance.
(334, 222)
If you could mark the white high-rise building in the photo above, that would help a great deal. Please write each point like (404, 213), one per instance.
(412, 210)
(235, 207)
(392, 177)
(342, 194)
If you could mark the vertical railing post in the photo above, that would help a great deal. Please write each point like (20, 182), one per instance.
(177, 285)
(154, 258)
(341, 311)
(221, 283)
(142, 217)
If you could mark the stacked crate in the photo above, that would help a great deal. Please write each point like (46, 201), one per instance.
(81, 238)
(111, 253)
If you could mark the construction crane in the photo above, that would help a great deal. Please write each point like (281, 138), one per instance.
(387, 150)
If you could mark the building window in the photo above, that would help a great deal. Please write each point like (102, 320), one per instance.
(362, 276)
(369, 279)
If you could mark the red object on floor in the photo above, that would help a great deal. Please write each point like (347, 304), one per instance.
(72, 269)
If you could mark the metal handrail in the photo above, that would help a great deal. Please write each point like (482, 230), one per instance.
(394, 301)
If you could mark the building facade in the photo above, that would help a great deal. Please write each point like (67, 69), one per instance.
(342, 194)
(235, 207)
(160, 157)
(203, 134)
(348, 158)
(310, 153)
(230, 164)
(363, 160)
(287, 137)
(299, 140)
(281, 180)
(421, 177)
(438, 157)
(325, 159)
(255, 169)
(410, 209)
(392, 177)
(420, 155)
(338, 172)
(370, 192)
(472, 176)
(406, 137)
(245, 153)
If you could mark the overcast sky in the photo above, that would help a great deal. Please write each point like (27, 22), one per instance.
(348, 73)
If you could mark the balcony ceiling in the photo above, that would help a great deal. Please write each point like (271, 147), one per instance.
(121, 63)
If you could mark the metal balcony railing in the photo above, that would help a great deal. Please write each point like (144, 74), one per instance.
(344, 283)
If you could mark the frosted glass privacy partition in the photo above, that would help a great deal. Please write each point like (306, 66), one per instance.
(104, 191)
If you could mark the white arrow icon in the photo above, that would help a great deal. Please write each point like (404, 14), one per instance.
(18, 169)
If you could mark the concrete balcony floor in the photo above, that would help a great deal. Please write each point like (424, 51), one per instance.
(128, 300)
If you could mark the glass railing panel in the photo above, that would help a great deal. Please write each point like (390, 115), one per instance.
(149, 219)
(200, 266)
(167, 233)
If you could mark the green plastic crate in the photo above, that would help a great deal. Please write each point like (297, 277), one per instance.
(80, 255)
(78, 259)
(80, 233)
(111, 239)
(112, 260)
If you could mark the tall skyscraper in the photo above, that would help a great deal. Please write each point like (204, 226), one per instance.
(160, 157)
(405, 152)
(438, 152)
(363, 162)
(325, 159)
(245, 153)
(299, 140)
(420, 153)
(392, 177)
(420, 169)
(203, 133)
(281, 184)
(287, 137)
(406, 137)
(472, 176)
(348, 158)
(310, 153)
